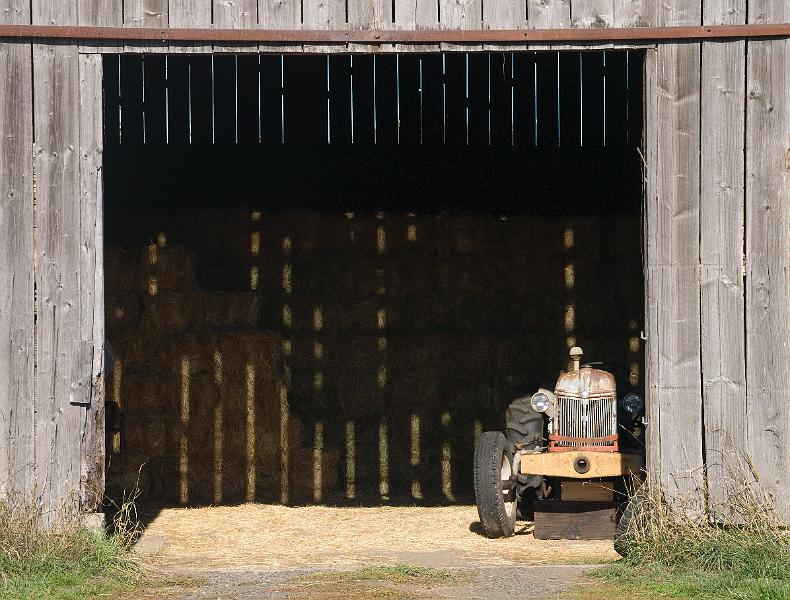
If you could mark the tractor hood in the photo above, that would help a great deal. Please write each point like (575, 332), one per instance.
(586, 383)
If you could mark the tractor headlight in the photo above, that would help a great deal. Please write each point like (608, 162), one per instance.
(633, 404)
(540, 402)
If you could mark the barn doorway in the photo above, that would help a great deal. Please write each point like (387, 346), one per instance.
(325, 275)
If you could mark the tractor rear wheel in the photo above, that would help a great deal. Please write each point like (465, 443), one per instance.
(495, 493)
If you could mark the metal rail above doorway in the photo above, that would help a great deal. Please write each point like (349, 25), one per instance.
(378, 36)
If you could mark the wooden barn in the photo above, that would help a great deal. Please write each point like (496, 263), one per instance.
(306, 251)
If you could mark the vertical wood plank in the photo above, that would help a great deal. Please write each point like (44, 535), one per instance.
(594, 14)
(155, 101)
(271, 99)
(461, 14)
(548, 14)
(279, 14)
(60, 384)
(100, 13)
(323, 14)
(16, 265)
(225, 99)
(721, 256)
(632, 13)
(15, 12)
(369, 14)
(652, 356)
(416, 14)
(672, 288)
(546, 99)
(767, 252)
(616, 89)
(570, 99)
(504, 14)
(409, 100)
(501, 98)
(145, 13)
(235, 14)
(54, 12)
(91, 280)
(189, 13)
(386, 100)
(593, 115)
(524, 98)
(132, 126)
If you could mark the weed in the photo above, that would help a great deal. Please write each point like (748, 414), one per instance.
(62, 561)
(674, 548)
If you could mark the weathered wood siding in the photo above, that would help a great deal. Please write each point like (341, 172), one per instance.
(717, 224)
(768, 252)
(673, 369)
(721, 255)
(16, 261)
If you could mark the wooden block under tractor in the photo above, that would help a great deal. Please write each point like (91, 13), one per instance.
(591, 491)
(561, 520)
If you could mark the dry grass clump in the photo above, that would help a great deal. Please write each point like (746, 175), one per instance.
(64, 560)
(747, 541)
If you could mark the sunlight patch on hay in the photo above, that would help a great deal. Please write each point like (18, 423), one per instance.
(318, 450)
(381, 239)
(255, 243)
(284, 444)
(250, 445)
(117, 374)
(570, 317)
(384, 485)
(414, 430)
(570, 276)
(568, 238)
(183, 446)
(350, 458)
(447, 478)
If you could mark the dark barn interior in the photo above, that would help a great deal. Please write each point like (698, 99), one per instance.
(325, 275)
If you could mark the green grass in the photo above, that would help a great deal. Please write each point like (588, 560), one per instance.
(675, 552)
(399, 573)
(64, 563)
(81, 564)
(660, 582)
(87, 565)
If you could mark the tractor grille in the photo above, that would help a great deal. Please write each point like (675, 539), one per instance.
(586, 418)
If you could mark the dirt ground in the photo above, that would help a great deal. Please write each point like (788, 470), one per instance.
(263, 551)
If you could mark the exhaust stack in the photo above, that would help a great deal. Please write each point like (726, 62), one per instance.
(576, 358)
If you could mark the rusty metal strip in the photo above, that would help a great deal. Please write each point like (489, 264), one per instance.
(374, 36)
(568, 438)
(554, 446)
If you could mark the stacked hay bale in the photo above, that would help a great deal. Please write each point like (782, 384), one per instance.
(198, 384)
(418, 329)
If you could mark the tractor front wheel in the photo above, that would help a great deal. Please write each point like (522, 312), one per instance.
(495, 493)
